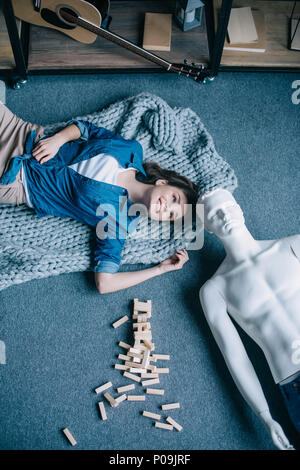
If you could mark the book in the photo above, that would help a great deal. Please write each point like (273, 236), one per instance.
(260, 45)
(295, 44)
(157, 31)
(241, 26)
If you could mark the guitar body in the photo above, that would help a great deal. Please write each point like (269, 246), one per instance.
(49, 16)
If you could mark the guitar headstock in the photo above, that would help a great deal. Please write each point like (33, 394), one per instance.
(196, 72)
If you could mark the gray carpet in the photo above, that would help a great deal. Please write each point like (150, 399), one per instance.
(58, 336)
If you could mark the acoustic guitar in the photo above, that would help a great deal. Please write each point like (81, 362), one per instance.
(82, 21)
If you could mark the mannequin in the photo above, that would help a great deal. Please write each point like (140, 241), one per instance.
(258, 285)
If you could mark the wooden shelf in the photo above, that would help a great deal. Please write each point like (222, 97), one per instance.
(52, 50)
(6, 55)
(276, 22)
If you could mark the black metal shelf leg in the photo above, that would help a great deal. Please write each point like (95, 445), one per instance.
(20, 72)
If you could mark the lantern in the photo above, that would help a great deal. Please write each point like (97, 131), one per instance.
(188, 13)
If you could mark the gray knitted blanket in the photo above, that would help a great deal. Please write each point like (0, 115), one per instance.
(32, 247)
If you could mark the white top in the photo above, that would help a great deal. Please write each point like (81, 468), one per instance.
(103, 167)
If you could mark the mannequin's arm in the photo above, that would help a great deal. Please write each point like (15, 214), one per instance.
(232, 348)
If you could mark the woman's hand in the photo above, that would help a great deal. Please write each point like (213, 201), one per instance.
(47, 148)
(176, 261)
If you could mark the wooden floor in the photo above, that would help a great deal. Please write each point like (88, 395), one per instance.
(49, 49)
(276, 23)
(6, 55)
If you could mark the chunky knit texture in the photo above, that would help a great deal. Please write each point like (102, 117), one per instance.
(32, 247)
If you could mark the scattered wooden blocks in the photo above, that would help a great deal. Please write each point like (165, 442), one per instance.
(150, 382)
(151, 415)
(126, 388)
(132, 377)
(69, 436)
(164, 426)
(170, 406)
(136, 397)
(155, 391)
(103, 387)
(102, 410)
(120, 322)
(174, 423)
(148, 344)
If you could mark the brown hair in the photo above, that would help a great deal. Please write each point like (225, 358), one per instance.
(154, 172)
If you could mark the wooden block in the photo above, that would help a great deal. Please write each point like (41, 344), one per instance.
(119, 399)
(136, 397)
(135, 351)
(103, 387)
(126, 388)
(121, 367)
(131, 364)
(136, 370)
(150, 382)
(155, 391)
(69, 436)
(132, 377)
(161, 357)
(145, 360)
(102, 410)
(152, 368)
(110, 399)
(152, 359)
(170, 406)
(123, 357)
(174, 423)
(161, 370)
(157, 31)
(143, 316)
(124, 345)
(164, 426)
(149, 376)
(120, 322)
(151, 415)
(143, 335)
(145, 326)
(136, 360)
(142, 306)
(134, 354)
(149, 345)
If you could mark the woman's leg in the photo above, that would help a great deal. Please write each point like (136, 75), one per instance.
(13, 134)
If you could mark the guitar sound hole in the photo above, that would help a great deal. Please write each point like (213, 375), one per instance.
(52, 18)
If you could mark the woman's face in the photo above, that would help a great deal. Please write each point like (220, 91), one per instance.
(166, 202)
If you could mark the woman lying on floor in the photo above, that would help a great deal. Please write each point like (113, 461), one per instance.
(90, 174)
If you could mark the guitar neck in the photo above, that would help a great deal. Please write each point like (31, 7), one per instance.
(117, 40)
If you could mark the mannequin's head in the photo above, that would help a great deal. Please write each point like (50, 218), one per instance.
(222, 214)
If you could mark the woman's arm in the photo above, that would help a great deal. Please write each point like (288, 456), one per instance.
(47, 148)
(107, 282)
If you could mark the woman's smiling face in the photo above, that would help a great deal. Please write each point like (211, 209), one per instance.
(166, 202)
